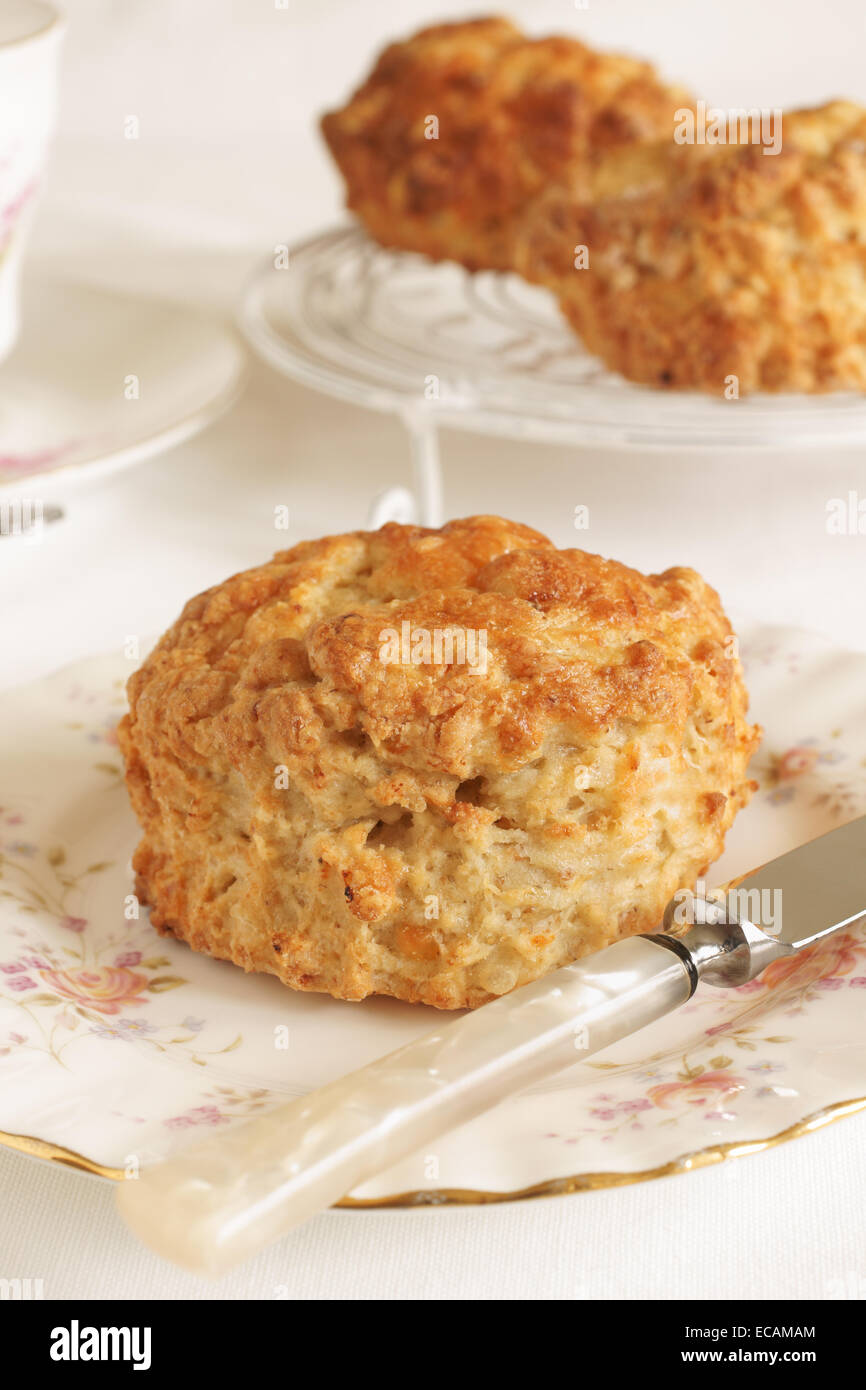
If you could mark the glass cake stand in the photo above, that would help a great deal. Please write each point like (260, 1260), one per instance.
(488, 352)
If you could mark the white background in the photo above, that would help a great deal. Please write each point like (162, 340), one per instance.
(228, 164)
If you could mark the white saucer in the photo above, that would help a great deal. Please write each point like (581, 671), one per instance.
(101, 380)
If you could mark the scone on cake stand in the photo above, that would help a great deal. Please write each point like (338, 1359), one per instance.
(528, 203)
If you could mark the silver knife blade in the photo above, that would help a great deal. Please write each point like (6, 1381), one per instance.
(811, 891)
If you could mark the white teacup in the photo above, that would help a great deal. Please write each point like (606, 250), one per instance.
(30, 34)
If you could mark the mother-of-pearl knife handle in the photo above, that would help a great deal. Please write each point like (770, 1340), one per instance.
(221, 1201)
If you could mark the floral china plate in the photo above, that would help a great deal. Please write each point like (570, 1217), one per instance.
(118, 1047)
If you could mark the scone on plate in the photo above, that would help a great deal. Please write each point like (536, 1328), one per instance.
(720, 267)
(434, 764)
(459, 127)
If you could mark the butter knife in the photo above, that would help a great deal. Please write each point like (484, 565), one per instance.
(223, 1200)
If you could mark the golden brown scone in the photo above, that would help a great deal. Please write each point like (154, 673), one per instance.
(438, 832)
(733, 263)
(514, 114)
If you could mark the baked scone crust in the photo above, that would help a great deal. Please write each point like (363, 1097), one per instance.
(719, 267)
(515, 115)
(360, 826)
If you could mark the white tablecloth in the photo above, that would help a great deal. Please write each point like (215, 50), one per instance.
(228, 165)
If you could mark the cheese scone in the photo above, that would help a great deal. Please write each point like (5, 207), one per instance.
(459, 127)
(719, 267)
(433, 764)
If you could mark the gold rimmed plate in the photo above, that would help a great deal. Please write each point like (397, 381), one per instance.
(118, 1047)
